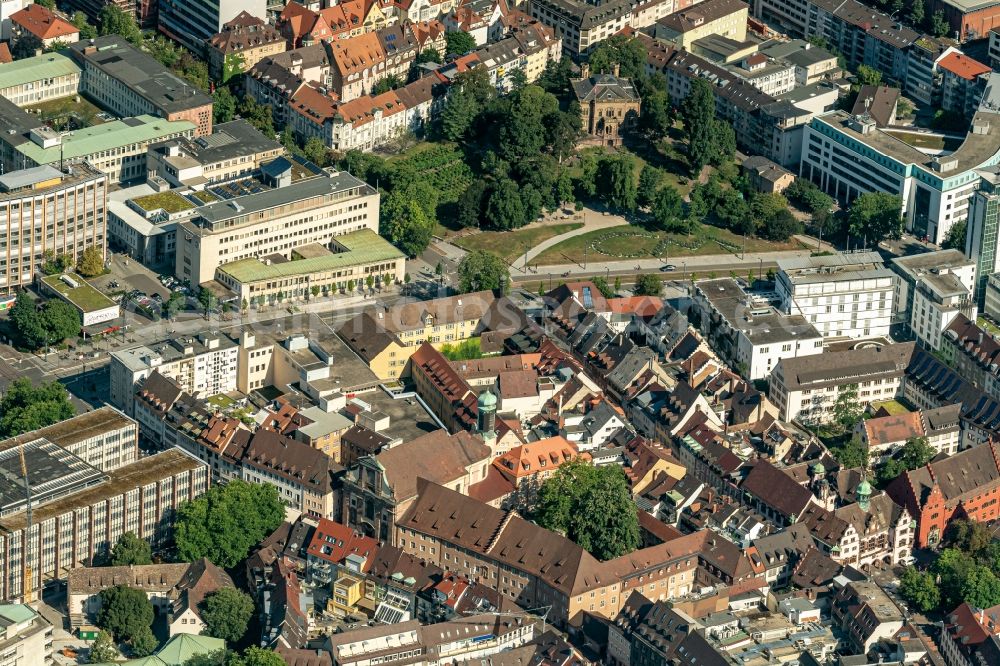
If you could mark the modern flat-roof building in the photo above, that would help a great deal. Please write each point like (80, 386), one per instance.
(81, 506)
(234, 149)
(94, 307)
(932, 289)
(748, 331)
(205, 365)
(847, 295)
(991, 301)
(191, 22)
(42, 210)
(848, 155)
(983, 229)
(128, 82)
(315, 269)
(25, 636)
(247, 226)
(7, 9)
(39, 79)
(969, 19)
(117, 148)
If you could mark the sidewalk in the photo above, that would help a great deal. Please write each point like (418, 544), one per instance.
(685, 264)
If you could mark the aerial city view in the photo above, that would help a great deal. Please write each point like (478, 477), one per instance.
(500, 332)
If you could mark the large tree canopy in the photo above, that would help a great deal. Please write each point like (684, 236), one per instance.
(127, 613)
(224, 523)
(481, 270)
(26, 407)
(130, 549)
(226, 613)
(876, 216)
(592, 506)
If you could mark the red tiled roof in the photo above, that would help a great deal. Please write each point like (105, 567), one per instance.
(545, 455)
(962, 65)
(43, 23)
(642, 306)
(333, 542)
(897, 428)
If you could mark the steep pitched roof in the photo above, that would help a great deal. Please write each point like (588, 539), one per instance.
(959, 476)
(43, 23)
(502, 536)
(776, 489)
(544, 455)
(354, 55)
(291, 459)
(333, 542)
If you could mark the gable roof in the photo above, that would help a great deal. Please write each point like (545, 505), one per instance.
(43, 23)
(333, 542)
(502, 536)
(291, 459)
(893, 428)
(958, 476)
(366, 337)
(773, 487)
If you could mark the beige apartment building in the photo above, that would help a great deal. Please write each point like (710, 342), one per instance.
(720, 18)
(312, 210)
(316, 270)
(205, 365)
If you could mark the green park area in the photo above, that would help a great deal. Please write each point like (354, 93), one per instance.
(512, 244)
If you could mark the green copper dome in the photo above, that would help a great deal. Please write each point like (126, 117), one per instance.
(864, 488)
(819, 469)
(487, 400)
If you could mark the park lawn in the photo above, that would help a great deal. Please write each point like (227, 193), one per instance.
(512, 244)
(625, 243)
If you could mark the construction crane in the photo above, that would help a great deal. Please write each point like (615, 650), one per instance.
(28, 584)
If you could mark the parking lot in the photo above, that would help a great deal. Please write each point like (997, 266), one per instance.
(130, 275)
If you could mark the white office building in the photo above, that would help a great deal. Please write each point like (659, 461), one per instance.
(846, 295)
(748, 331)
(847, 156)
(932, 289)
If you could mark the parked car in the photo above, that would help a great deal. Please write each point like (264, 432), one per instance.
(666, 268)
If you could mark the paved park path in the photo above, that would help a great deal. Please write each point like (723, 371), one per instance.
(592, 221)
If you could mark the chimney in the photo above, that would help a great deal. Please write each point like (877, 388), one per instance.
(585, 70)
(616, 69)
